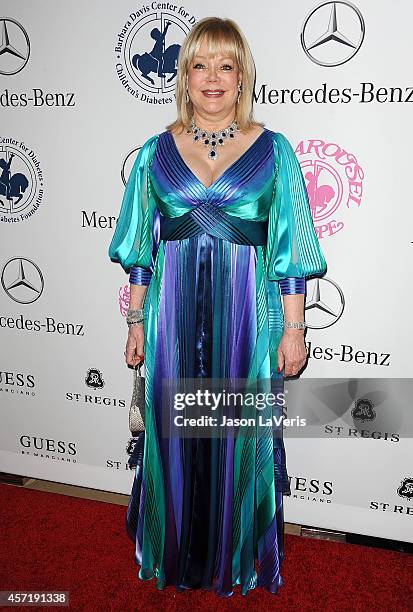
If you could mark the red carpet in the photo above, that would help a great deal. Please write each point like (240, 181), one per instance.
(58, 542)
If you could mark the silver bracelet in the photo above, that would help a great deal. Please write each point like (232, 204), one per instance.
(296, 324)
(134, 316)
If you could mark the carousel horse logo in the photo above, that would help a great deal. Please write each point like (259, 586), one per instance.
(123, 299)
(147, 50)
(158, 60)
(21, 181)
(406, 488)
(332, 33)
(12, 185)
(334, 182)
(14, 47)
(94, 379)
(363, 410)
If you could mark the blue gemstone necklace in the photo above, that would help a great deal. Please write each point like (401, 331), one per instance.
(213, 140)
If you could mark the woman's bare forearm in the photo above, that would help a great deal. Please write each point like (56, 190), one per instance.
(137, 296)
(294, 310)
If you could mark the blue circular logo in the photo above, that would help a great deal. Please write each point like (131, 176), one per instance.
(21, 181)
(147, 50)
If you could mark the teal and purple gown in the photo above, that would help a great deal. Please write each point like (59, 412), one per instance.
(208, 513)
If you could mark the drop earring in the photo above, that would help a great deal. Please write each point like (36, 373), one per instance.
(186, 91)
(239, 92)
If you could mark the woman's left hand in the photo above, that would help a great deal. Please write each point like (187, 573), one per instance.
(292, 352)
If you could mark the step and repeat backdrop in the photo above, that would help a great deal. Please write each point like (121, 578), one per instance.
(79, 95)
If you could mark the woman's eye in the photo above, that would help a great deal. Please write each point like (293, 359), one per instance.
(198, 65)
(227, 67)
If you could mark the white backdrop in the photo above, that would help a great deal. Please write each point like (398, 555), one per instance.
(74, 110)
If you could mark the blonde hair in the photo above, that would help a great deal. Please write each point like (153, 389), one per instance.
(222, 36)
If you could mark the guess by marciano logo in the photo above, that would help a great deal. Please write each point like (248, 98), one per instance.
(147, 50)
(311, 489)
(334, 181)
(13, 383)
(48, 448)
(21, 181)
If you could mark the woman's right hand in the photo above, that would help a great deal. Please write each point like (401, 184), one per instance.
(134, 344)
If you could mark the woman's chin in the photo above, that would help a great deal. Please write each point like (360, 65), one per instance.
(213, 107)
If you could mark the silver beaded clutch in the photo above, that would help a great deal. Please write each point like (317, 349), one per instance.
(137, 406)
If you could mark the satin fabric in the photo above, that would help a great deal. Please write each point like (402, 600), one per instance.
(209, 512)
(292, 286)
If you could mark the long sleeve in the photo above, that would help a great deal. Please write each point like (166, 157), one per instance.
(292, 248)
(134, 242)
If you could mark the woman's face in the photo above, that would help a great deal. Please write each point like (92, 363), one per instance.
(213, 84)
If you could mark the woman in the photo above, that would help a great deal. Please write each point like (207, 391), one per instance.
(214, 227)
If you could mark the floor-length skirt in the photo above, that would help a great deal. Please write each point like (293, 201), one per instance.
(208, 512)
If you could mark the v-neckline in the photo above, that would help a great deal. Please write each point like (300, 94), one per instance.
(225, 172)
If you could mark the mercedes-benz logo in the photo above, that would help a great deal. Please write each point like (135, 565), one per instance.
(22, 280)
(332, 33)
(323, 310)
(128, 164)
(14, 47)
